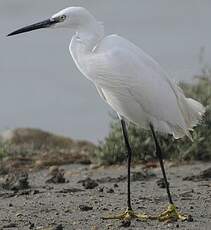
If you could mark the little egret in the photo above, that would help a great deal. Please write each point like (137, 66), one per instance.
(132, 83)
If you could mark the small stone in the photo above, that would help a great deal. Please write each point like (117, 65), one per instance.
(16, 182)
(19, 214)
(116, 185)
(34, 192)
(161, 183)
(88, 183)
(11, 225)
(190, 218)
(67, 211)
(31, 225)
(85, 208)
(126, 223)
(59, 227)
(101, 189)
(110, 190)
(57, 176)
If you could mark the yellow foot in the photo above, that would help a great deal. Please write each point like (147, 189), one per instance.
(128, 215)
(171, 214)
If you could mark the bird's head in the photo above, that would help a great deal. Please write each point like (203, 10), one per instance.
(71, 17)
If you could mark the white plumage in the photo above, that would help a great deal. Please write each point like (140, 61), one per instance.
(127, 78)
(132, 82)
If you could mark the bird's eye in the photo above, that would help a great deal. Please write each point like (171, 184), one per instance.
(63, 17)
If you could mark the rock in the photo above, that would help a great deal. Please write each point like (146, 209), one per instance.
(203, 175)
(135, 176)
(161, 183)
(125, 223)
(70, 190)
(85, 208)
(109, 179)
(101, 189)
(190, 218)
(31, 225)
(110, 190)
(15, 182)
(140, 176)
(187, 194)
(57, 176)
(59, 227)
(10, 225)
(19, 214)
(88, 183)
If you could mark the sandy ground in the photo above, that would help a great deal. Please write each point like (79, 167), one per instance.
(60, 206)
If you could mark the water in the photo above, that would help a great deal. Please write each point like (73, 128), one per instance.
(40, 86)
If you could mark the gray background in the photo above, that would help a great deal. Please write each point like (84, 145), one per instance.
(39, 84)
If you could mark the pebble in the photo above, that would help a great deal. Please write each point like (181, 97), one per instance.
(125, 223)
(161, 183)
(190, 218)
(89, 183)
(110, 190)
(11, 225)
(101, 189)
(85, 208)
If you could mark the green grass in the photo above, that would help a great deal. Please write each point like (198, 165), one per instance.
(112, 149)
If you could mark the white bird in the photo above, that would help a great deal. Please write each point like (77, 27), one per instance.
(131, 82)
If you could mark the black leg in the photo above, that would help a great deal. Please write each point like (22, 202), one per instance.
(127, 144)
(160, 157)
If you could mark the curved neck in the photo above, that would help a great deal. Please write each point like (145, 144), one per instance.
(84, 42)
(87, 37)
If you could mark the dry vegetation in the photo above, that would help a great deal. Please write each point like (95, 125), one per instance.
(33, 148)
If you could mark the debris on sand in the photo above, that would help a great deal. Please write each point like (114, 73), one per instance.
(15, 182)
(139, 176)
(187, 195)
(41, 149)
(58, 227)
(135, 176)
(88, 183)
(161, 183)
(203, 175)
(57, 175)
(125, 224)
(85, 208)
(109, 179)
(11, 225)
(70, 190)
(110, 190)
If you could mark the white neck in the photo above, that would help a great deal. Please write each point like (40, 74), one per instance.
(87, 37)
(84, 42)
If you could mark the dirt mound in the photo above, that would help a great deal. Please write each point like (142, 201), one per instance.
(27, 148)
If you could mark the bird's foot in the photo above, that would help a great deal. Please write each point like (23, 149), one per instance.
(171, 214)
(128, 215)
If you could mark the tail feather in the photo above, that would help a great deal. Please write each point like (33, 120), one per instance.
(191, 110)
(195, 112)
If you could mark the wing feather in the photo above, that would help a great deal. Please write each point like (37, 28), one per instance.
(135, 85)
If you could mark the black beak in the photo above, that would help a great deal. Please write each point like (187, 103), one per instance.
(44, 24)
